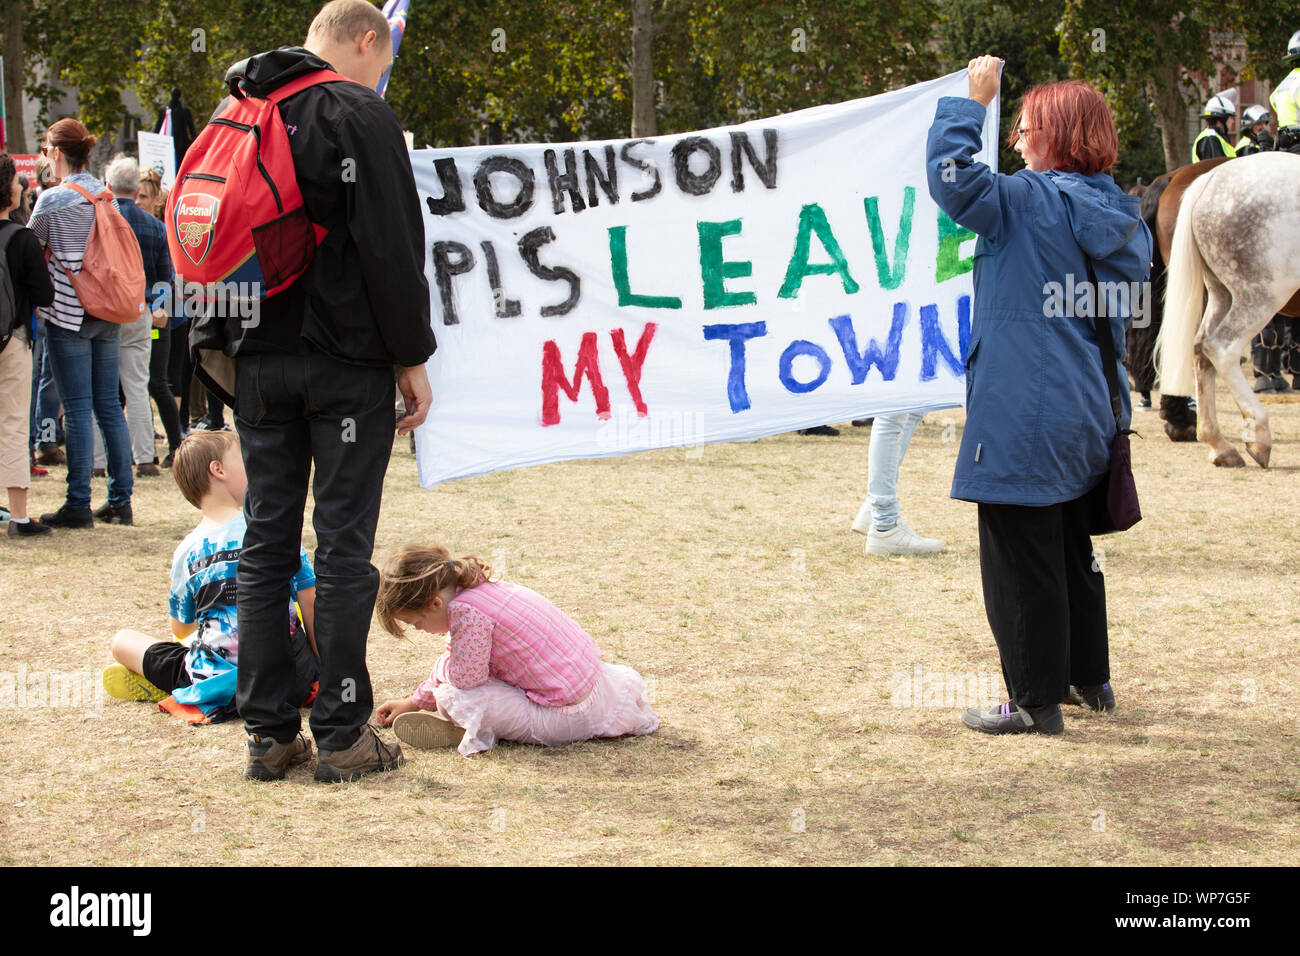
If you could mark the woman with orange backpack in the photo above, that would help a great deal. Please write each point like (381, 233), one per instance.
(83, 349)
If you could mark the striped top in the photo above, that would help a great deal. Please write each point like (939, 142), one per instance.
(513, 634)
(62, 220)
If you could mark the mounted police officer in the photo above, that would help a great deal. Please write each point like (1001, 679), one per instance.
(1286, 99)
(1276, 350)
(1213, 140)
(1255, 137)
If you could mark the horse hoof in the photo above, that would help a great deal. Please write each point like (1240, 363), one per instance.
(1229, 459)
(1180, 432)
(1260, 452)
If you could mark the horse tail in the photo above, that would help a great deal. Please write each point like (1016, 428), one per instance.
(1184, 301)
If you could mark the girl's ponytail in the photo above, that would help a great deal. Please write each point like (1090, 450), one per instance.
(471, 571)
(415, 574)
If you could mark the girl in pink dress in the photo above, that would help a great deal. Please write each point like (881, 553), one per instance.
(516, 667)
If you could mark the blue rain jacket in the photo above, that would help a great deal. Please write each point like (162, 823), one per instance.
(1039, 422)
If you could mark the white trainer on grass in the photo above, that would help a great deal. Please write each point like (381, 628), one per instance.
(900, 539)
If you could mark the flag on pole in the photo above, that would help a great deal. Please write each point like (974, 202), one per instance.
(395, 12)
(166, 129)
(4, 113)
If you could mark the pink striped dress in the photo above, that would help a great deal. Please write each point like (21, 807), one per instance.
(518, 668)
(513, 634)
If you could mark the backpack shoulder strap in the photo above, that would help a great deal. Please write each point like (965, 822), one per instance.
(298, 84)
(86, 192)
(1106, 341)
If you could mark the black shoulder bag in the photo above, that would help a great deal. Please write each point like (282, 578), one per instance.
(1114, 502)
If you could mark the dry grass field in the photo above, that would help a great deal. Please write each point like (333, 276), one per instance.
(781, 659)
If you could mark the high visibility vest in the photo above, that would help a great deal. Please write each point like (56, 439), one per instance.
(1210, 131)
(1245, 146)
(1284, 100)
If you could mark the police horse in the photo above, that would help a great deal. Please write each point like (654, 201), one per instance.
(1234, 263)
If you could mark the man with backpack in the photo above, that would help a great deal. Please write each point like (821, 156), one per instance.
(314, 366)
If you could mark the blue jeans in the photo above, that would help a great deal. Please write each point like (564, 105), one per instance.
(46, 430)
(85, 370)
(890, 436)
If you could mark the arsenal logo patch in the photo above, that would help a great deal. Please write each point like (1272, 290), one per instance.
(195, 216)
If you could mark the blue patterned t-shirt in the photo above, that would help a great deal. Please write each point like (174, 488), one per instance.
(203, 585)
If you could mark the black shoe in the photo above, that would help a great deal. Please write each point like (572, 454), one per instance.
(167, 462)
(119, 514)
(1011, 718)
(820, 430)
(27, 528)
(67, 517)
(1144, 400)
(1098, 697)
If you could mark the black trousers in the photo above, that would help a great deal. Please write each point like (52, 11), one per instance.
(1045, 597)
(293, 412)
(160, 391)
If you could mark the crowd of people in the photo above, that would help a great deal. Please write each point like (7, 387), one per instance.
(90, 386)
(259, 632)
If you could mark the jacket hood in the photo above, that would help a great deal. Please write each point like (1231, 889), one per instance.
(1102, 217)
(264, 72)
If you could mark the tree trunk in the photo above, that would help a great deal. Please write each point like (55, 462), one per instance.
(1171, 113)
(15, 134)
(643, 74)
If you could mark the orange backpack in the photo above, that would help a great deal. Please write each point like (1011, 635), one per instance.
(110, 285)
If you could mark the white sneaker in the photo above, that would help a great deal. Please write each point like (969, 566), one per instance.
(862, 523)
(900, 539)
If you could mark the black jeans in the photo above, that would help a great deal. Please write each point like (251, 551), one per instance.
(160, 391)
(1045, 597)
(293, 411)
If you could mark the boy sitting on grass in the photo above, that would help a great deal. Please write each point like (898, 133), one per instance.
(198, 666)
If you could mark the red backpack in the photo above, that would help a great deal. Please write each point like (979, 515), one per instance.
(235, 213)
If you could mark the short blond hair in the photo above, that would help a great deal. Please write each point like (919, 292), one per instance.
(345, 21)
(192, 461)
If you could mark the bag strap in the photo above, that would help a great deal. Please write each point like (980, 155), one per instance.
(298, 84)
(1106, 339)
(86, 192)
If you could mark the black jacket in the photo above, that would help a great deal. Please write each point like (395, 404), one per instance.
(29, 275)
(364, 298)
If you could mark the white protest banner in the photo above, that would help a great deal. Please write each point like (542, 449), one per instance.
(596, 299)
(158, 152)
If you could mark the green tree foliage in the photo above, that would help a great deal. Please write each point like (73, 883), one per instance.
(1023, 34)
(1141, 52)
(153, 46)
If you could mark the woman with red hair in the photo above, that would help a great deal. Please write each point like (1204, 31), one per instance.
(1040, 421)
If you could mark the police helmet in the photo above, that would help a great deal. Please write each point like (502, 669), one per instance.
(1293, 49)
(1254, 114)
(1219, 107)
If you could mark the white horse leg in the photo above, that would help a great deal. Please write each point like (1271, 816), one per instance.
(1255, 429)
(1207, 422)
(1211, 354)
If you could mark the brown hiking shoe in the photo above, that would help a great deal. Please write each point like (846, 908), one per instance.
(51, 455)
(371, 753)
(268, 759)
